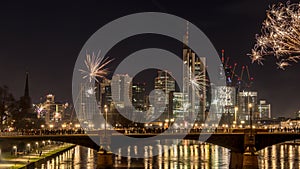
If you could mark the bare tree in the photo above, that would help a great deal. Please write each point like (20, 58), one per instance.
(7, 107)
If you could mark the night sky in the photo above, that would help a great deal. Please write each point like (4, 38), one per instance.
(45, 39)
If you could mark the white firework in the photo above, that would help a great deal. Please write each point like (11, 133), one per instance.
(280, 36)
(90, 91)
(199, 82)
(282, 65)
(95, 67)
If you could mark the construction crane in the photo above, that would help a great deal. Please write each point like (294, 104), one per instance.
(233, 70)
(235, 74)
(245, 82)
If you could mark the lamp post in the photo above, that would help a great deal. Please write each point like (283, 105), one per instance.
(63, 126)
(37, 146)
(228, 117)
(250, 109)
(167, 124)
(15, 150)
(42, 129)
(28, 145)
(105, 109)
(235, 114)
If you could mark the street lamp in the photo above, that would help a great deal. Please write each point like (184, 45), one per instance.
(250, 109)
(160, 124)
(37, 147)
(28, 145)
(235, 114)
(167, 123)
(105, 109)
(15, 150)
(42, 129)
(63, 126)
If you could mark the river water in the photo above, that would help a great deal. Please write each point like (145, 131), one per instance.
(186, 155)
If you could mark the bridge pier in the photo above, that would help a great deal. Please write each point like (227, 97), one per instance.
(104, 155)
(250, 161)
(104, 159)
(247, 158)
(236, 160)
(250, 156)
(243, 161)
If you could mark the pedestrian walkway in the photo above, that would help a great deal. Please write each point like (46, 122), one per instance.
(9, 161)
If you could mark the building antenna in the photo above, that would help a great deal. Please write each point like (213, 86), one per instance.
(187, 33)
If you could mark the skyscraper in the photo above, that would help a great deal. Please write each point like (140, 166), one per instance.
(177, 105)
(245, 98)
(164, 84)
(264, 110)
(193, 66)
(121, 88)
(105, 97)
(139, 96)
(87, 105)
(119, 110)
(226, 101)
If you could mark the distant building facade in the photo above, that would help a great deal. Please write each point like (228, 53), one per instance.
(177, 105)
(247, 101)
(52, 112)
(139, 96)
(264, 110)
(223, 106)
(121, 88)
(164, 84)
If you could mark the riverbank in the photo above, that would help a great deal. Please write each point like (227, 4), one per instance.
(29, 160)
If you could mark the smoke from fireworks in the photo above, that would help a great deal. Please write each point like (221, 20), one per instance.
(280, 36)
(95, 67)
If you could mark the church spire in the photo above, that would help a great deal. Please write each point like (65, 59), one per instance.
(26, 92)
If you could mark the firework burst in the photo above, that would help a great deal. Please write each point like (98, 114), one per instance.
(280, 36)
(199, 82)
(90, 91)
(95, 66)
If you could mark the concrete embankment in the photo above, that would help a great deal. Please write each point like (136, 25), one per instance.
(30, 160)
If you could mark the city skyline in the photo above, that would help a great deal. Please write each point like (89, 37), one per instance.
(40, 39)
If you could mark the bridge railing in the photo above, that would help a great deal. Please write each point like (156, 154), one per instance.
(152, 131)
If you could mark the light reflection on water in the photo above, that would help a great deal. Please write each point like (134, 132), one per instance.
(186, 155)
(283, 156)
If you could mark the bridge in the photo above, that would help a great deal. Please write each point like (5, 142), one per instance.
(237, 142)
